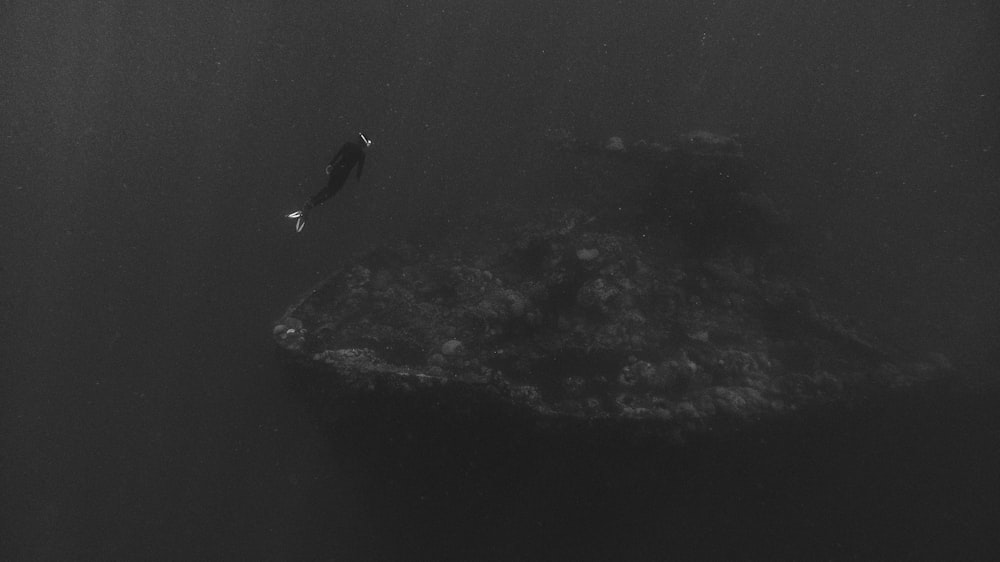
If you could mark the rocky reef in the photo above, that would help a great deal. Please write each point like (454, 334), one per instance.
(590, 320)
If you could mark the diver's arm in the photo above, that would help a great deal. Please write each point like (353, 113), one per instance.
(361, 165)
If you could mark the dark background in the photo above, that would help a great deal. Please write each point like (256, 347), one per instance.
(149, 150)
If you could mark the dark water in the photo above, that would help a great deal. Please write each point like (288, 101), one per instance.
(150, 148)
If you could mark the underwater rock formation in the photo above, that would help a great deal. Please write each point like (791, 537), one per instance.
(708, 145)
(585, 320)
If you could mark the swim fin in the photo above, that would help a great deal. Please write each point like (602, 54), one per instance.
(300, 221)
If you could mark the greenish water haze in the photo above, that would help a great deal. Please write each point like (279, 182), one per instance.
(149, 149)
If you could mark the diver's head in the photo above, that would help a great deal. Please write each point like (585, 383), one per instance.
(365, 140)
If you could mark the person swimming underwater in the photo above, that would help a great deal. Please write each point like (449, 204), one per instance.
(339, 169)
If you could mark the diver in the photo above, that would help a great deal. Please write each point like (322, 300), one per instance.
(339, 169)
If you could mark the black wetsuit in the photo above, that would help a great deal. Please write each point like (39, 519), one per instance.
(347, 157)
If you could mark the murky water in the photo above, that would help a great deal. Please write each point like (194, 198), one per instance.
(150, 149)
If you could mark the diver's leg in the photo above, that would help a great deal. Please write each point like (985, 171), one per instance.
(302, 214)
(332, 187)
(337, 181)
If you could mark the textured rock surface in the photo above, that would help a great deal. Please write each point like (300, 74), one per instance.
(579, 321)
